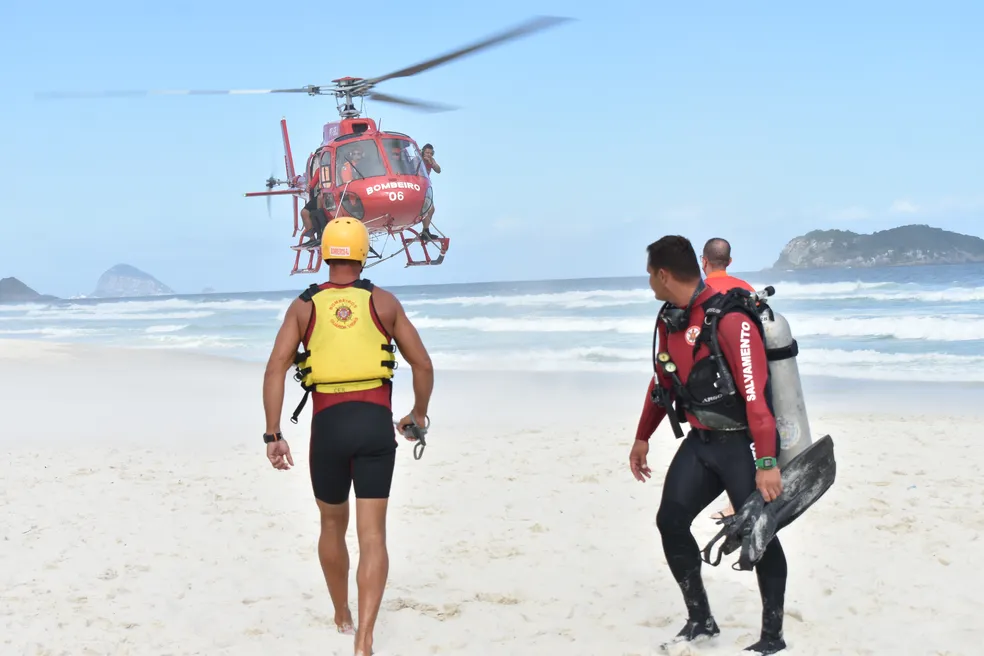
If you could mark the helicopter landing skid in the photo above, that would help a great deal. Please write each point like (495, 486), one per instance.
(314, 257)
(440, 245)
(433, 251)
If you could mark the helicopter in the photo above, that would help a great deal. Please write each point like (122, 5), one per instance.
(378, 177)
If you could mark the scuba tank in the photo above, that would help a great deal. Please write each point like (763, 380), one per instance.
(788, 403)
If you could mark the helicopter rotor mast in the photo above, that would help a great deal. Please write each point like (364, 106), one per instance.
(346, 89)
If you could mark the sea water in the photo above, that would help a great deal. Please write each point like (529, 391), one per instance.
(916, 323)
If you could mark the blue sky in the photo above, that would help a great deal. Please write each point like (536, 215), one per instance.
(572, 149)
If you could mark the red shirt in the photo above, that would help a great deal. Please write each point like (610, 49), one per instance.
(744, 351)
(722, 282)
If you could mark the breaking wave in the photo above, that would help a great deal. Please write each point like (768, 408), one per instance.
(858, 364)
(946, 328)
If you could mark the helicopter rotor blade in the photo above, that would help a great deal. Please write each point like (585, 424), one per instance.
(524, 29)
(136, 93)
(410, 102)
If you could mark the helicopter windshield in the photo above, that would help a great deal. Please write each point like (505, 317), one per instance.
(404, 158)
(357, 160)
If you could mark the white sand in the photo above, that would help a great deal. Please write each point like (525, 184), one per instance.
(142, 517)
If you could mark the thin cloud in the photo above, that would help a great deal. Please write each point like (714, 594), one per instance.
(853, 213)
(904, 207)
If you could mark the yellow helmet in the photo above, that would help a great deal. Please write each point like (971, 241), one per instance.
(345, 238)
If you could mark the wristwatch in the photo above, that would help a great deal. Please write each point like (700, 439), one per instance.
(766, 463)
(267, 437)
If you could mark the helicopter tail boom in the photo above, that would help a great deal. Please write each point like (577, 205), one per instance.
(288, 157)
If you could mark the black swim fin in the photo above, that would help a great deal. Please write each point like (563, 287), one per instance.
(804, 480)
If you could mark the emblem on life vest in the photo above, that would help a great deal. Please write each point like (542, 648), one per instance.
(691, 335)
(342, 314)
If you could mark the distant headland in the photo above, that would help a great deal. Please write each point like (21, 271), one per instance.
(13, 290)
(120, 281)
(909, 245)
(123, 281)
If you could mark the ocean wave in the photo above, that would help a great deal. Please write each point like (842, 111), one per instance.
(873, 291)
(944, 328)
(568, 300)
(600, 298)
(48, 315)
(58, 333)
(166, 328)
(192, 342)
(839, 363)
(535, 324)
(110, 310)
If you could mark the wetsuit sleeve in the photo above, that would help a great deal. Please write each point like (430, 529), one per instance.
(743, 348)
(652, 414)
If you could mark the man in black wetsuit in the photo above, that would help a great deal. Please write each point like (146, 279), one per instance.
(716, 455)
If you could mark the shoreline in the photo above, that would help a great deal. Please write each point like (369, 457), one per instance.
(823, 393)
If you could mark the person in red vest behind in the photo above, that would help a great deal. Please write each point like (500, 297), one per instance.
(715, 260)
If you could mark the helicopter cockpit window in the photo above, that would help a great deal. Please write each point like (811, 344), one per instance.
(357, 160)
(404, 158)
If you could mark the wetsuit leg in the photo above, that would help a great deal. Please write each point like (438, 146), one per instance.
(732, 459)
(689, 487)
(329, 458)
(352, 441)
(375, 456)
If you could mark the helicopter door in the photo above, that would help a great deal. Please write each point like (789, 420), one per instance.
(325, 170)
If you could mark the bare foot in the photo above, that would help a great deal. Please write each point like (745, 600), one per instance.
(344, 624)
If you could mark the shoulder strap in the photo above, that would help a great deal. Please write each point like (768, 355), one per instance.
(735, 299)
(312, 289)
(364, 283)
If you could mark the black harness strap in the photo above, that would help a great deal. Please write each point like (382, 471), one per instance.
(783, 353)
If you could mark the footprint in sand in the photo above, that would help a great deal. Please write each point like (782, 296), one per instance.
(400, 603)
(495, 598)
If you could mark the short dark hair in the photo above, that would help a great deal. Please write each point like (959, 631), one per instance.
(426, 146)
(675, 254)
(718, 252)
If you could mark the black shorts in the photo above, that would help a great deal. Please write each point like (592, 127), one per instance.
(352, 442)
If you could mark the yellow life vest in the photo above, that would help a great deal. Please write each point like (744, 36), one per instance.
(345, 351)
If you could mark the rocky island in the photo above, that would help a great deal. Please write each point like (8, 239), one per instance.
(904, 246)
(13, 290)
(124, 280)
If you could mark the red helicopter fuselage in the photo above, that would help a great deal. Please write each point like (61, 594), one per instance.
(375, 176)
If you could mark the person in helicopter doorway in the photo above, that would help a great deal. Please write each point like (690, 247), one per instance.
(314, 218)
(427, 152)
(715, 456)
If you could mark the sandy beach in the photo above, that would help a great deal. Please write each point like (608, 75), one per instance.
(142, 517)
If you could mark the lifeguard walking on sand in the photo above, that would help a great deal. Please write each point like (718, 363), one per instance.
(347, 327)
